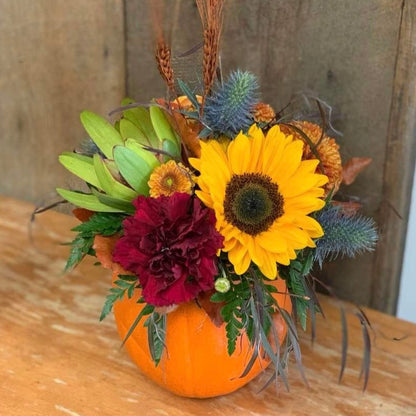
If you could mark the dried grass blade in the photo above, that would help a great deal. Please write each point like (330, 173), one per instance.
(344, 343)
(367, 321)
(293, 336)
(313, 320)
(161, 152)
(279, 370)
(251, 362)
(268, 382)
(312, 294)
(194, 49)
(264, 341)
(323, 128)
(366, 362)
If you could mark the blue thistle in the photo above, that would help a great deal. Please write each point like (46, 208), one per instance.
(229, 108)
(345, 235)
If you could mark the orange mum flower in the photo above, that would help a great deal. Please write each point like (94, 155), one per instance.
(327, 149)
(169, 178)
(263, 113)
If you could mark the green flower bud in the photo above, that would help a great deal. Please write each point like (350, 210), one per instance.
(222, 285)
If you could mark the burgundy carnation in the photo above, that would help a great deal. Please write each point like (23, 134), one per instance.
(171, 245)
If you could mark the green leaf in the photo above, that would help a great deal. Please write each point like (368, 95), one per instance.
(104, 135)
(80, 247)
(134, 169)
(147, 310)
(171, 149)
(302, 307)
(204, 133)
(140, 117)
(232, 328)
(110, 185)
(156, 334)
(116, 204)
(128, 277)
(218, 297)
(117, 292)
(108, 306)
(87, 201)
(147, 156)
(130, 130)
(103, 224)
(81, 166)
(185, 89)
(163, 128)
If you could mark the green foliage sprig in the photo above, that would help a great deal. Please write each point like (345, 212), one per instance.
(125, 285)
(296, 280)
(101, 223)
(237, 312)
(156, 335)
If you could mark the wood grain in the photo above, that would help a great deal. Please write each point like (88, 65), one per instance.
(346, 54)
(398, 168)
(57, 58)
(56, 359)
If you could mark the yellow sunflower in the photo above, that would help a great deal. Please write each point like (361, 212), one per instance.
(261, 192)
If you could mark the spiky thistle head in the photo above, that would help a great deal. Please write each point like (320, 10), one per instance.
(344, 234)
(229, 108)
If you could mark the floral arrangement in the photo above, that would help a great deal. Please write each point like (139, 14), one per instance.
(209, 198)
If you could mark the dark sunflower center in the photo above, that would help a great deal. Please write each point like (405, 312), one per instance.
(252, 202)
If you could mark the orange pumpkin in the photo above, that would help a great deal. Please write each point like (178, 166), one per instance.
(195, 362)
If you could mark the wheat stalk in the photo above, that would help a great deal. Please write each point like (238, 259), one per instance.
(164, 63)
(163, 52)
(211, 12)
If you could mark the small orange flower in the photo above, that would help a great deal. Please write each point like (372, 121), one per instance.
(263, 113)
(327, 149)
(169, 178)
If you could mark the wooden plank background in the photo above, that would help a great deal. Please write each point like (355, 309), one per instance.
(358, 56)
(56, 59)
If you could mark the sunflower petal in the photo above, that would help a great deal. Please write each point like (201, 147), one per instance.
(237, 154)
(269, 267)
(256, 148)
(240, 258)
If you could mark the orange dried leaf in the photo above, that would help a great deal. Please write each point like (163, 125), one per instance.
(189, 131)
(82, 214)
(213, 309)
(349, 208)
(104, 247)
(353, 167)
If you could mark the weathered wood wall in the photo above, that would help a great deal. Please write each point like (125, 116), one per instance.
(358, 56)
(58, 58)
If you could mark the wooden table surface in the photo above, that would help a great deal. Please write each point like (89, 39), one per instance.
(57, 359)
